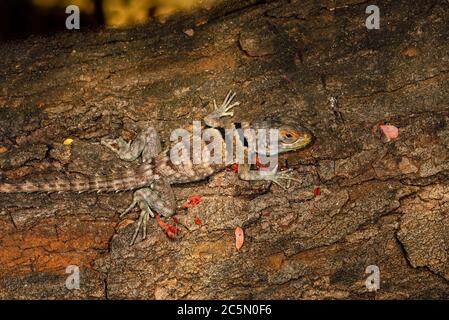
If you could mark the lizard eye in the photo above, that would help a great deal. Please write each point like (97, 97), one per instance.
(288, 135)
(293, 138)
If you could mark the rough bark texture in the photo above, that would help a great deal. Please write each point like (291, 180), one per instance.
(383, 203)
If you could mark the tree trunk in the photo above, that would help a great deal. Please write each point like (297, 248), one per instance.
(362, 200)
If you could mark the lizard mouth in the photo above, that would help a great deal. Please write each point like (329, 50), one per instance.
(292, 141)
(303, 141)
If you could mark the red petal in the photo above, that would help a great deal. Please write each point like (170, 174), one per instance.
(390, 131)
(239, 237)
(169, 229)
(160, 222)
(171, 235)
(198, 221)
(192, 201)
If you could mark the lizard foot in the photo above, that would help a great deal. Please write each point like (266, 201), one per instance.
(144, 217)
(147, 199)
(278, 176)
(226, 107)
(118, 146)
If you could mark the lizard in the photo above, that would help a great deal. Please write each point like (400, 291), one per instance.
(151, 181)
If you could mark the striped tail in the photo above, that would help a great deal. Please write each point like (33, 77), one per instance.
(121, 181)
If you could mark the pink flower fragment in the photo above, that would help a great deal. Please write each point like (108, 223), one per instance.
(391, 132)
(239, 237)
(189, 32)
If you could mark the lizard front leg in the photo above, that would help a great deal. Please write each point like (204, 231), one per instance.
(147, 144)
(273, 175)
(213, 120)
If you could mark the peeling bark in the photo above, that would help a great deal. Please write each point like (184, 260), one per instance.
(381, 203)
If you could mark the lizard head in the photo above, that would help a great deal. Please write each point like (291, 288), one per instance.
(291, 135)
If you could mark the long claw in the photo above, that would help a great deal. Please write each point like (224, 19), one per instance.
(144, 229)
(136, 232)
(232, 105)
(229, 97)
(108, 144)
(283, 175)
(279, 184)
(133, 204)
(226, 106)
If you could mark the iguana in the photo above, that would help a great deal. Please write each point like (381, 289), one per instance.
(152, 179)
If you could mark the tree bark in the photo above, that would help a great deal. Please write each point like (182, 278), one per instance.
(382, 203)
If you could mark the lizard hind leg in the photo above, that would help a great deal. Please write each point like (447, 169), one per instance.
(159, 198)
(142, 222)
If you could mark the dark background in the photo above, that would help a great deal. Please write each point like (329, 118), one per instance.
(22, 18)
